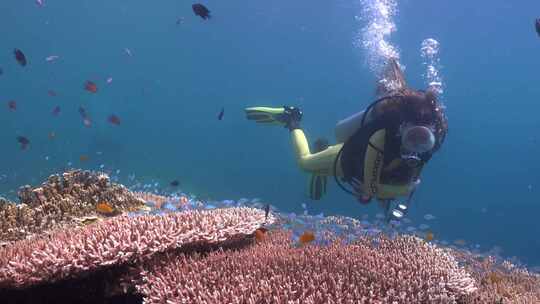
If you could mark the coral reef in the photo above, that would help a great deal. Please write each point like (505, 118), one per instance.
(61, 202)
(372, 270)
(178, 252)
(499, 282)
(117, 241)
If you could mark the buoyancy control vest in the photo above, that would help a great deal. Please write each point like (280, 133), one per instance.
(372, 163)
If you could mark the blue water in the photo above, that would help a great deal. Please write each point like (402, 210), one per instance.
(483, 186)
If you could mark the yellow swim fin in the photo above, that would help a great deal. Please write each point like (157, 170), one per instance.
(317, 186)
(266, 115)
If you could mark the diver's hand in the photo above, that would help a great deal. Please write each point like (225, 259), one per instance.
(292, 117)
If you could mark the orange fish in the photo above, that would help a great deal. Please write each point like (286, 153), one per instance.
(104, 208)
(429, 236)
(83, 158)
(306, 237)
(90, 86)
(260, 234)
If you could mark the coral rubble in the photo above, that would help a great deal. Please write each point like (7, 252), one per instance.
(61, 201)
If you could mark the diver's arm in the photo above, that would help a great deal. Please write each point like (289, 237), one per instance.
(320, 163)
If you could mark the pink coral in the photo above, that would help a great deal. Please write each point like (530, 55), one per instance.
(159, 200)
(382, 270)
(117, 241)
(188, 257)
(499, 282)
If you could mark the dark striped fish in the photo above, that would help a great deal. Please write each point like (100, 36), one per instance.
(266, 211)
(221, 113)
(19, 56)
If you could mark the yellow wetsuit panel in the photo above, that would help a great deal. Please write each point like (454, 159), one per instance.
(373, 163)
(373, 167)
(321, 163)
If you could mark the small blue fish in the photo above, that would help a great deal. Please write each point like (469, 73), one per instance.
(228, 202)
(406, 220)
(157, 212)
(411, 229)
(423, 227)
(256, 205)
(243, 201)
(168, 206)
(150, 204)
(429, 217)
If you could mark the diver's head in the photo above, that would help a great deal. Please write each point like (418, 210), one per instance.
(422, 122)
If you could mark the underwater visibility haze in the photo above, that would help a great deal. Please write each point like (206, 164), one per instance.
(154, 94)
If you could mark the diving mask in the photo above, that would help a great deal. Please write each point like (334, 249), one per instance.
(417, 139)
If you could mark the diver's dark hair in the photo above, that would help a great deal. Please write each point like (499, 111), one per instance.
(414, 106)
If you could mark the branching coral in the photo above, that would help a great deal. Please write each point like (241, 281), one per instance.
(499, 282)
(209, 256)
(381, 270)
(117, 241)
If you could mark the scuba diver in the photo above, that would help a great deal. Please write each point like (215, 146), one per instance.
(380, 152)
